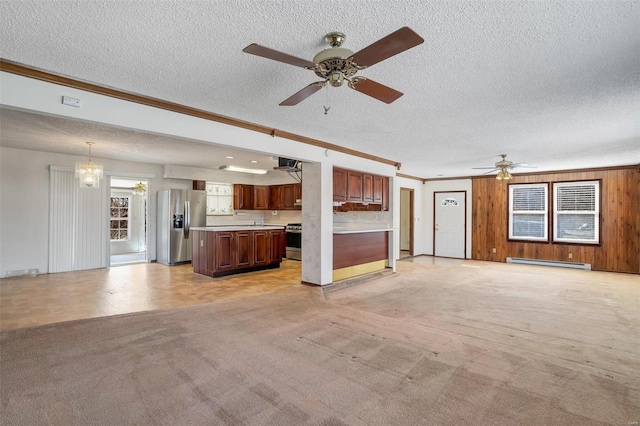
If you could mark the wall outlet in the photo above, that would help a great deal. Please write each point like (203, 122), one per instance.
(570, 255)
(274, 213)
(493, 250)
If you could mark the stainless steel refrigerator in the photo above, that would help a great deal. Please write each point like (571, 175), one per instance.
(179, 210)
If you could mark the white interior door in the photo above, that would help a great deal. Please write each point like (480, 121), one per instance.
(450, 224)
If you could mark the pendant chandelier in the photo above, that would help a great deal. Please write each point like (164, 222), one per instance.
(89, 174)
(139, 189)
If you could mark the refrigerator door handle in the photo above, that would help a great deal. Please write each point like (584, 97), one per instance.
(187, 219)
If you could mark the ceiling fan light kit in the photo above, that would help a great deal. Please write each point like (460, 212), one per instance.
(336, 64)
(503, 166)
(504, 175)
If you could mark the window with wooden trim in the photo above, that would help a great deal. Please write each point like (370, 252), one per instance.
(576, 212)
(119, 218)
(528, 212)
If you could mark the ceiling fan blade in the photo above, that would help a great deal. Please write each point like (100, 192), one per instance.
(399, 41)
(490, 171)
(375, 90)
(265, 52)
(481, 168)
(303, 94)
(523, 166)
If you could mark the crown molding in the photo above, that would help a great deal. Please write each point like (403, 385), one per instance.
(37, 74)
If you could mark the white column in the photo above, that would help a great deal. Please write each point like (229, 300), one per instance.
(317, 223)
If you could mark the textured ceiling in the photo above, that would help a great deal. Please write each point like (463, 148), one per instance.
(555, 84)
(53, 134)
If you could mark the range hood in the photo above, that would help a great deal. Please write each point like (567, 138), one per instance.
(288, 165)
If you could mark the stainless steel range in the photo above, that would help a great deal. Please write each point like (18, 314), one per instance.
(294, 241)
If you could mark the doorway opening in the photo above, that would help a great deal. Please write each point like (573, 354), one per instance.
(128, 221)
(406, 222)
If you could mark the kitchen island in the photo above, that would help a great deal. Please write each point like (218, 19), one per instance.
(225, 250)
(359, 251)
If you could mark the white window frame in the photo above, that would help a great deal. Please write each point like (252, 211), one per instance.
(596, 213)
(129, 197)
(543, 213)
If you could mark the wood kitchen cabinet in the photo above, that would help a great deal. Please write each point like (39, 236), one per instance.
(283, 197)
(260, 197)
(267, 197)
(276, 243)
(367, 188)
(358, 191)
(233, 250)
(339, 184)
(261, 248)
(297, 196)
(242, 197)
(223, 251)
(243, 249)
(354, 186)
(218, 253)
(275, 197)
(288, 197)
(203, 261)
(385, 193)
(377, 188)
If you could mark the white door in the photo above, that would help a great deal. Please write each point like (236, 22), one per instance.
(450, 224)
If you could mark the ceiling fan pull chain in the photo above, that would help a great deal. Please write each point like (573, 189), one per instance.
(326, 92)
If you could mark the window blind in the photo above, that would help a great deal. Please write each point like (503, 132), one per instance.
(576, 212)
(576, 198)
(528, 211)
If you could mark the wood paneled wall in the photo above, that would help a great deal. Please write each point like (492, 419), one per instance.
(359, 248)
(619, 250)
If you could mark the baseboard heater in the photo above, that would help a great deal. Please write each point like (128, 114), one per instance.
(556, 263)
(21, 272)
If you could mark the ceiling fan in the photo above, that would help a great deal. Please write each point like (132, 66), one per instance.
(336, 64)
(503, 166)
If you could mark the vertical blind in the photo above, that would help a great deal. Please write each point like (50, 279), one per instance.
(77, 224)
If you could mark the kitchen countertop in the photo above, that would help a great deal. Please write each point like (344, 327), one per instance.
(348, 230)
(238, 228)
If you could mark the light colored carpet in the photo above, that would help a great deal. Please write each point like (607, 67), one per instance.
(471, 343)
